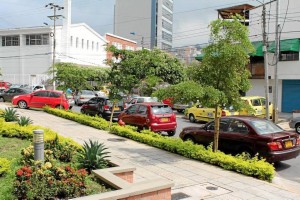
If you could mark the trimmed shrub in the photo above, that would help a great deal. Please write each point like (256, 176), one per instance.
(24, 121)
(4, 166)
(10, 115)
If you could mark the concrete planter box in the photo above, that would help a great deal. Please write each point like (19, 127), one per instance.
(121, 178)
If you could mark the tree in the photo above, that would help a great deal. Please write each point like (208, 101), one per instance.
(224, 65)
(69, 75)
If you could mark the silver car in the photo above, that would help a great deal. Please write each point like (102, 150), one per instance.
(295, 123)
(83, 96)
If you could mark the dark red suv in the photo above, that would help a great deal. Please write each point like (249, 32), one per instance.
(155, 116)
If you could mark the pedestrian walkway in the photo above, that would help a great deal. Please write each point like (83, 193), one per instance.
(193, 180)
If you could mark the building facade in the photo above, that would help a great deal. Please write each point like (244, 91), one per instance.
(119, 43)
(27, 53)
(149, 22)
(288, 66)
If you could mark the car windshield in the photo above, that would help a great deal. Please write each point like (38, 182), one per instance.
(87, 92)
(161, 109)
(265, 127)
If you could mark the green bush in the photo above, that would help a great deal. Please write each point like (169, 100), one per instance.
(10, 115)
(93, 156)
(24, 121)
(4, 166)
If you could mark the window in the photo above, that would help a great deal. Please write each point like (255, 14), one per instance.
(41, 94)
(97, 46)
(237, 126)
(54, 95)
(166, 25)
(129, 48)
(168, 4)
(289, 56)
(71, 41)
(87, 44)
(37, 39)
(11, 40)
(117, 45)
(166, 36)
(161, 109)
(131, 109)
(82, 43)
(77, 41)
(165, 46)
(167, 14)
(142, 110)
(93, 45)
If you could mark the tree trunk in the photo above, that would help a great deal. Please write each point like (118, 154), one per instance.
(112, 113)
(217, 130)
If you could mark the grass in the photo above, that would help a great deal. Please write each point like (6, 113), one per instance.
(10, 148)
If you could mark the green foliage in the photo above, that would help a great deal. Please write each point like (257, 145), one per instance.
(10, 115)
(4, 166)
(93, 156)
(24, 121)
(136, 67)
(69, 75)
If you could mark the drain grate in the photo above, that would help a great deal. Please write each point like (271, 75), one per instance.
(179, 195)
(116, 139)
(211, 188)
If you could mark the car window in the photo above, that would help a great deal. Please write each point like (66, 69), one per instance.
(263, 101)
(93, 100)
(87, 92)
(223, 126)
(256, 102)
(101, 101)
(237, 126)
(265, 127)
(11, 91)
(41, 94)
(150, 99)
(161, 109)
(54, 95)
(140, 100)
(142, 110)
(132, 109)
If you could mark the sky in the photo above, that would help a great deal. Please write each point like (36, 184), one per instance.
(190, 25)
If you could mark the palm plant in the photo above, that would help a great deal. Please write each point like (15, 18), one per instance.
(24, 121)
(93, 156)
(10, 115)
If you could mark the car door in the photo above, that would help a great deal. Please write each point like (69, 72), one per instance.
(236, 137)
(141, 117)
(54, 99)
(129, 115)
(9, 94)
(91, 106)
(39, 99)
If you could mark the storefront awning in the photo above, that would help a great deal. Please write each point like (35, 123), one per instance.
(258, 46)
(286, 45)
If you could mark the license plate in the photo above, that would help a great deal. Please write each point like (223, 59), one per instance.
(164, 119)
(116, 108)
(288, 144)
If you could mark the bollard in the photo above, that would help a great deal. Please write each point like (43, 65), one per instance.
(38, 142)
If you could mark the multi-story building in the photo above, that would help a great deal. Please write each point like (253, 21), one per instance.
(149, 22)
(119, 43)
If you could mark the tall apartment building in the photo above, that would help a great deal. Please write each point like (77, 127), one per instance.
(149, 22)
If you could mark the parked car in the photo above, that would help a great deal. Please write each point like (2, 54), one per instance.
(140, 100)
(258, 105)
(71, 101)
(179, 107)
(154, 116)
(102, 107)
(5, 85)
(10, 93)
(200, 113)
(295, 123)
(41, 98)
(83, 96)
(248, 134)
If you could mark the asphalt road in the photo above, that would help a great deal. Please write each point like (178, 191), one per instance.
(288, 169)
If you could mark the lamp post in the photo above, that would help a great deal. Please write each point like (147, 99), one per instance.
(54, 17)
(142, 42)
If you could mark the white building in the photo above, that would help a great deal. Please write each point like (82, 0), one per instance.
(26, 54)
(289, 65)
(150, 22)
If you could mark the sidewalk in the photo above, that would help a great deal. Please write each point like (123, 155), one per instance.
(193, 180)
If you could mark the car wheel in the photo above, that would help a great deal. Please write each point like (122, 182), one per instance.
(100, 115)
(297, 128)
(189, 138)
(1, 99)
(22, 104)
(171, 133)
(192, 118)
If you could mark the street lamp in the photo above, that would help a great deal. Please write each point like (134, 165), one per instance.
(142, 43)
(54, 17)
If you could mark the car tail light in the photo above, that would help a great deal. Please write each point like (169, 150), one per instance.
(223, 113)
(106, 107)
(275, 146)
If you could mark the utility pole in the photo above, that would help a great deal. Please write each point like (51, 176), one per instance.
(54, 17)
(265, 61)
(277, 53)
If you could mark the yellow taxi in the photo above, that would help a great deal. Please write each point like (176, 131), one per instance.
(200, 113)
(258, 105)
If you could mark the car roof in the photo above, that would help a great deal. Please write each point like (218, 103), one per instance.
(243, 117)
(151, 103)
(252, 97)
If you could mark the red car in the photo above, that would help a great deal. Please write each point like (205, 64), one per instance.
(155, 116)
(248, 134)
(41, 98)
